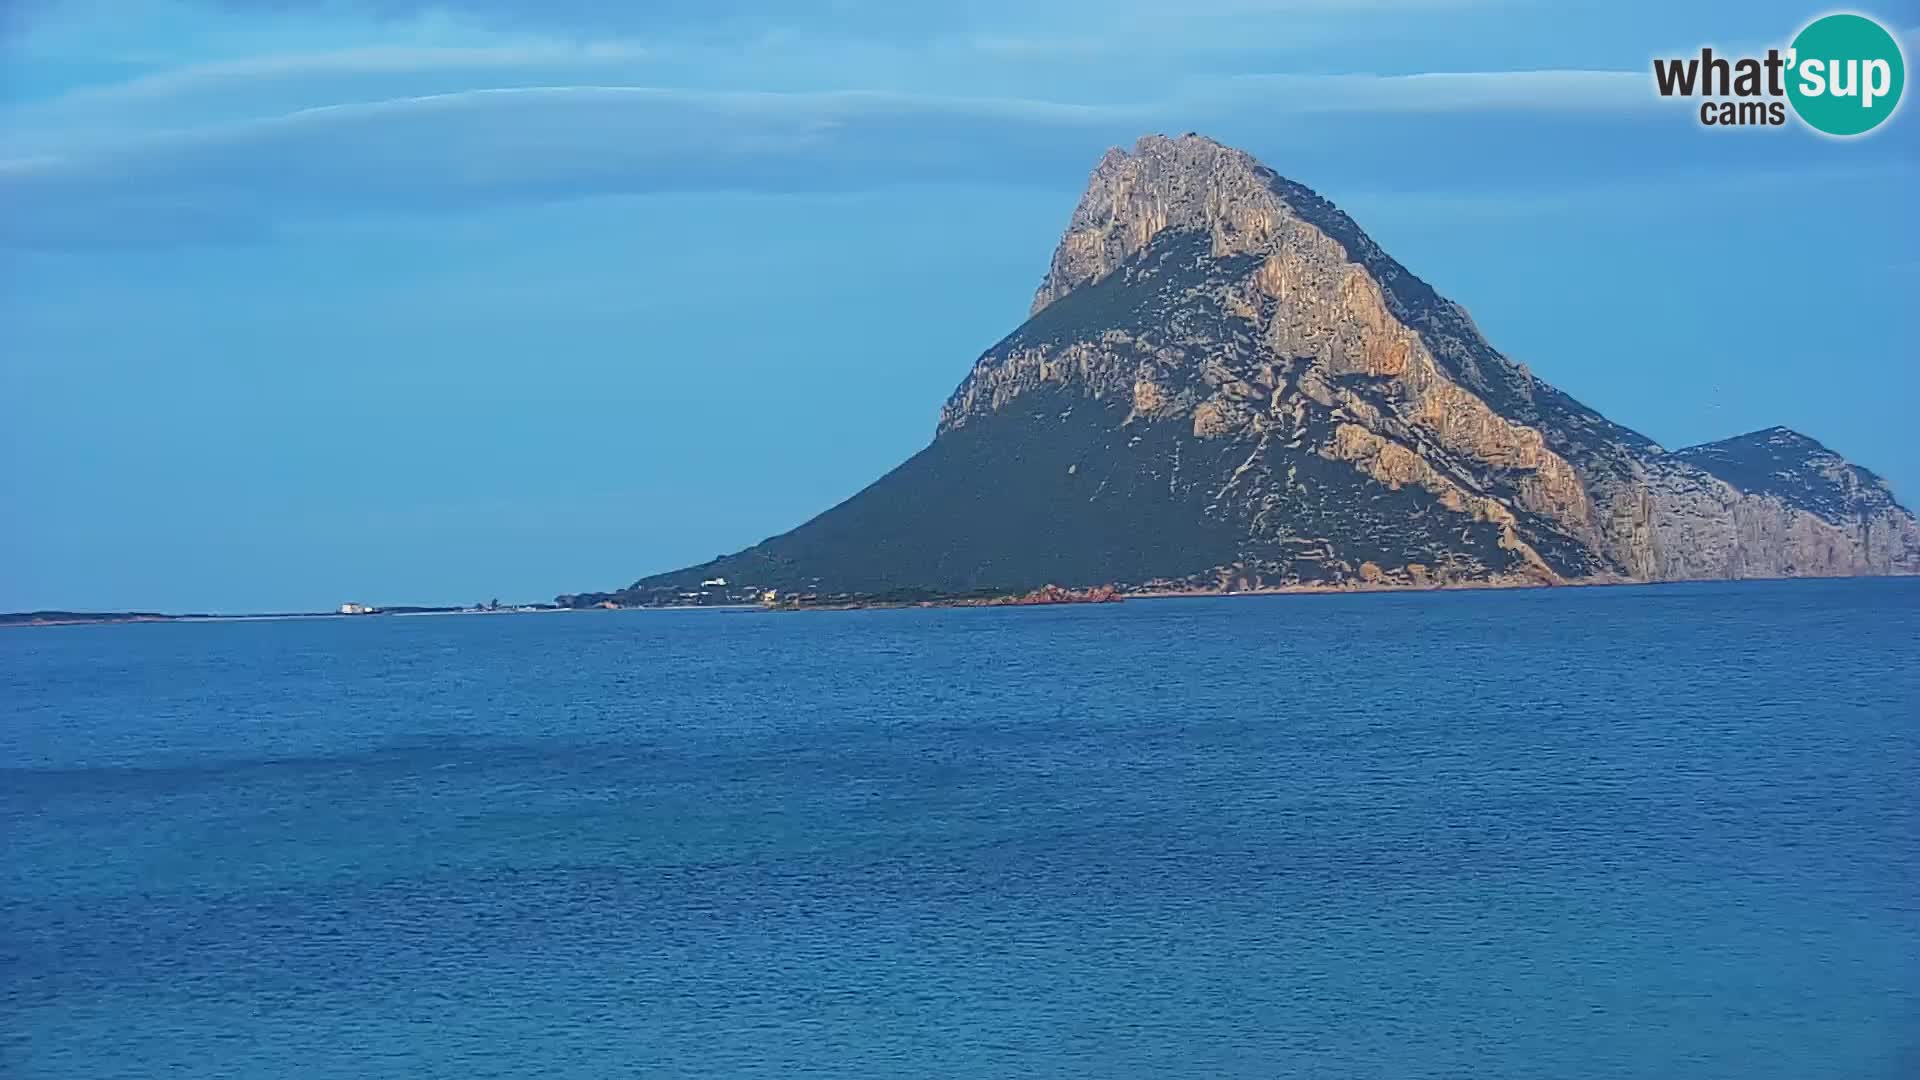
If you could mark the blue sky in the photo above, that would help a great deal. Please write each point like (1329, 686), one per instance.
(303, 302)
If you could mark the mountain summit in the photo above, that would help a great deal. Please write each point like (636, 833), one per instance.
(1224, 383)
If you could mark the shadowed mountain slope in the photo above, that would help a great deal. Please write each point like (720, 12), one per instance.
(1225, 383)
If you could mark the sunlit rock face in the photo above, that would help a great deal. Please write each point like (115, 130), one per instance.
(1225, 383)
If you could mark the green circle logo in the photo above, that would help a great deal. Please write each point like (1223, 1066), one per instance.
(1845, 74)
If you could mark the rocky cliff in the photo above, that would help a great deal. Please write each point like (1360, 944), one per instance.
(1224, 382)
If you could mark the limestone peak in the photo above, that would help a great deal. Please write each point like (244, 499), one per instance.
(1226, 384)
(1184, 182)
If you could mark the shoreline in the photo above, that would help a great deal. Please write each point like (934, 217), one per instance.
(27, 620)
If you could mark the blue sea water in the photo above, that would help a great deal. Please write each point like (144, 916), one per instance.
(1586, 833)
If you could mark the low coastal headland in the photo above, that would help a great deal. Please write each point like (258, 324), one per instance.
(345, 611)
(768, 601)
(721, 595)
(720, 592)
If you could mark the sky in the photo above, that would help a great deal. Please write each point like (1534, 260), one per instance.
(308, 301)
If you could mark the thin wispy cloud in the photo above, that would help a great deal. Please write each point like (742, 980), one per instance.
(877, 13)
(448, 151)
(225, 91)
(503, 144)
(1443, 90)
(521, 104)
(141, 29)
(364, 60)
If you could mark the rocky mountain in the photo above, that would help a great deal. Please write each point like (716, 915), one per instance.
(1225, 383)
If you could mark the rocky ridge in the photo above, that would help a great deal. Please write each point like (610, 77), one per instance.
(1224, 382)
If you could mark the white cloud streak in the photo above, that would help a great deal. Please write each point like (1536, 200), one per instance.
(1440, 91)
(555, 139)
(434, 151)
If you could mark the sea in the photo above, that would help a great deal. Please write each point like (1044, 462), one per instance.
(1662, 832)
